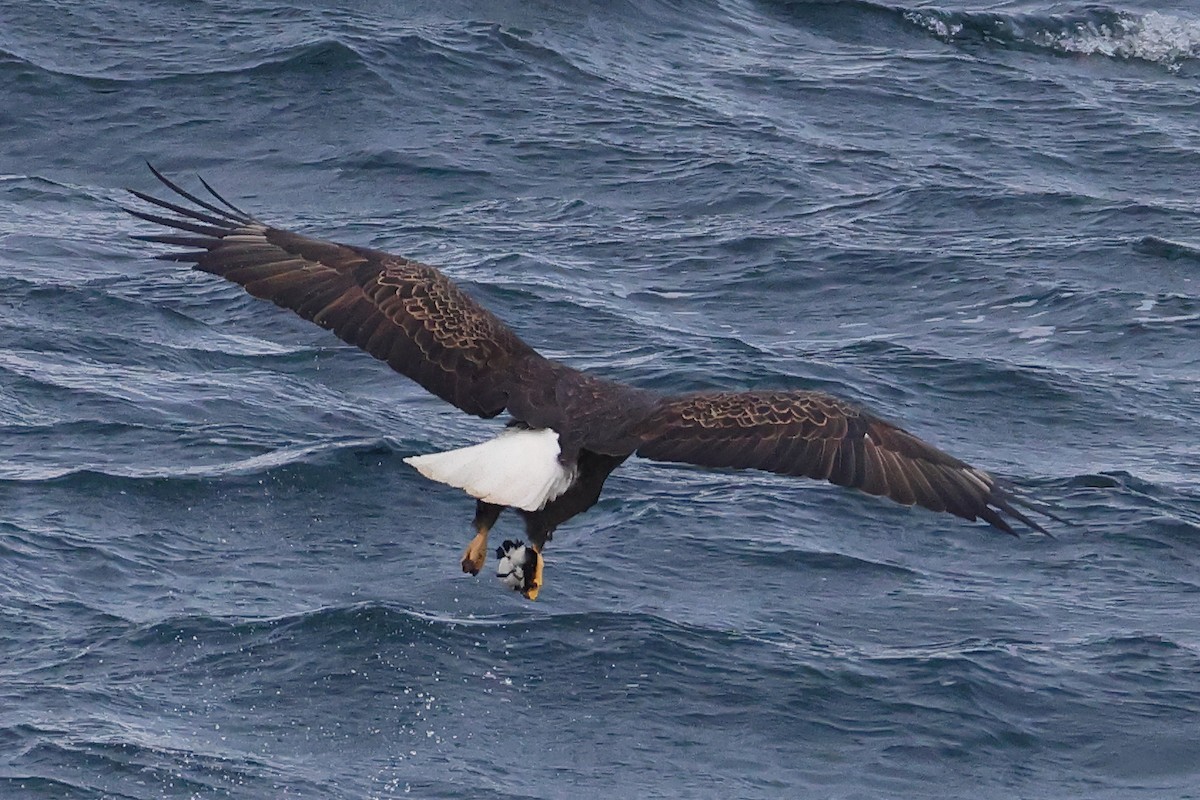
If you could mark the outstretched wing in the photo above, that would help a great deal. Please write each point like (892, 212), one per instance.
(817, 436)
(400, 311)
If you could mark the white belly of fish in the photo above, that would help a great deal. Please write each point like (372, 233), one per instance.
(519, 468)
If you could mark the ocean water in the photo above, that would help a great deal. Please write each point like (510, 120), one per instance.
(219, 579)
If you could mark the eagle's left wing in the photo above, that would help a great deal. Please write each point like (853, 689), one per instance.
(815, 435)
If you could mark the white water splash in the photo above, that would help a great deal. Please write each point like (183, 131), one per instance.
(1156, 37)
(943, 29)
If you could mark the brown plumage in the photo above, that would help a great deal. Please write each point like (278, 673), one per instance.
(413, 317)
(813, 435)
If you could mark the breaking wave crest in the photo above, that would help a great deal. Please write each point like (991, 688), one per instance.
(1162, 38)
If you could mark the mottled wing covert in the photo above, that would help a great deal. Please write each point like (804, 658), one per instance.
(400, 311)
(814, 435)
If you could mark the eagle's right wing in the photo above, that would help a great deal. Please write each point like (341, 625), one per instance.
(400, 311)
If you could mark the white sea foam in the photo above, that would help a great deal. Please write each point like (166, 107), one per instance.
(1163, 38)
(1166, 39)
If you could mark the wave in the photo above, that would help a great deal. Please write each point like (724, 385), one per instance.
(144, 757)
(1168, 509)
(321, 55)
(807, 560)
(1155, 37)
(362, 626)
(317, 455)
(352, 52)
(1166, 38)
(202, 694)
(932, 373)
(1167, 248)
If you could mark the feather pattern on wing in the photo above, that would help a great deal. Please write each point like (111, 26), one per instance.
(400, 311)
(813, 435)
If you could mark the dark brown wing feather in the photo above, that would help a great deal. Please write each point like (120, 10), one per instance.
(400, 311)
(817, 436)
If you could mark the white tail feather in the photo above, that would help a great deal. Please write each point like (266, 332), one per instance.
(519, 468)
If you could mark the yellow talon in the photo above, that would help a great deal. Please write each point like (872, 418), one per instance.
(476, 553)
(535, 585)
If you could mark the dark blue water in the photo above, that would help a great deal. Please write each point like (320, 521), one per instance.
(219, 579)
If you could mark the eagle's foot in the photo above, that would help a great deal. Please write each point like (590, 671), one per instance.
(476, 554)
(520, 568)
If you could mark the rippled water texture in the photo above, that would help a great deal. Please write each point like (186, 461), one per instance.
(221, 580)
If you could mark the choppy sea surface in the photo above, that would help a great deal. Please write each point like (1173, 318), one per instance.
(219, 579)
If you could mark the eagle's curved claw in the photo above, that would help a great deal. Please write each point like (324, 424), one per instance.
(520, 568)
(476, 554)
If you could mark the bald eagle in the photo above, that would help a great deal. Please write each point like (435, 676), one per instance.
(569, 429)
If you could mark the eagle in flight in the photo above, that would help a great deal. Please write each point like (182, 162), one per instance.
(568, 429)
